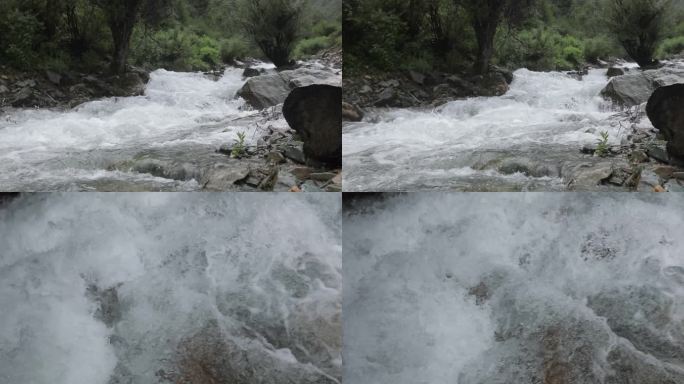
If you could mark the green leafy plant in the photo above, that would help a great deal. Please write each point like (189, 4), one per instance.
(240, 147)
(602, 148)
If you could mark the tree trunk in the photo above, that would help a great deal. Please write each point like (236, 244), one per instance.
(122, 16)
(486, 19)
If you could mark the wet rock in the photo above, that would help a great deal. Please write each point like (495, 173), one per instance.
(648, 181)
(323, 176)
(614, 71)
(223, 177)
(270, 90)
(638, 156)
(314, 112)
(351, 112)
(310, 186)
(109, 308)
(674, 186)
(659, 153)
(211, 356)
(386, 98)
(295, 152)
(665, 109)
(23, 98)
(635, 88)
(166, 169)
(493, 84)
(418, 78)
(275, 157)
(642, 315)
(53, 77)
(302, 173)
(588, 176)
(251, 72)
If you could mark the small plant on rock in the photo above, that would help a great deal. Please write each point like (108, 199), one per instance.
(239, 148)
(602, 145)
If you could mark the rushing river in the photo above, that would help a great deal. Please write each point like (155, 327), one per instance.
(182, 116)
(515, 288)
(149, 288)
(478, 143)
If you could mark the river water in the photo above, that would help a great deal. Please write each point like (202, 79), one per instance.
(182, 116)
(479, 144)
(515, 288)
(151, 288)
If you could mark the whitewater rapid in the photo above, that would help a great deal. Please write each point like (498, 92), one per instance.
(515, 288)
(180, 114)
(545, 118)
(148, 288)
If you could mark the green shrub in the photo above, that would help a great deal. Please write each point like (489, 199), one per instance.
(311, 46)
(232, 49)
(326, 28)
(18, 35)
(569, 53)
(640, 26)
(671, 46)
(599, 47)
(207, 51)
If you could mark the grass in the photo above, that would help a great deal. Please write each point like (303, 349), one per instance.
(239, 148)
(602, 148)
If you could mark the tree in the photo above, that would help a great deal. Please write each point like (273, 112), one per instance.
(639, 26)
(485, 17)
(121, 17)
(274, 26)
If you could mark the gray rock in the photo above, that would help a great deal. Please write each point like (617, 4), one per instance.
(23, 98)
(648, 181)
(251, 72)
(614, 71)
(417, 78)
(665, 109)
(659, 153)
(635, 88)
(315, 113)
(53, 77)
(351, 112)
(295, 152)
(270, 90)
(386, 98)
(3, 89)
(223, 177)
(166, 169)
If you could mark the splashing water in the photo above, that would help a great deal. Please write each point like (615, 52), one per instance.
(515, 288)
(545, 118)
(155, 288)
(43, 150)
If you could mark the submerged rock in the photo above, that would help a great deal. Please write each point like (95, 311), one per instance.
(314, 112)
(665, 109)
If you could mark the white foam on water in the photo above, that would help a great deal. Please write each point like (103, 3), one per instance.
(413, 266)
(177, 261)
(173, 103)
(541, 108)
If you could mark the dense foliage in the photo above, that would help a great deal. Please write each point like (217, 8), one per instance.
(91, 35)
(465, 35)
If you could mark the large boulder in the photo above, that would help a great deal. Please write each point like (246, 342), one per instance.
(665, 109)
(636, 87)
(315, 113)
(269, 90)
